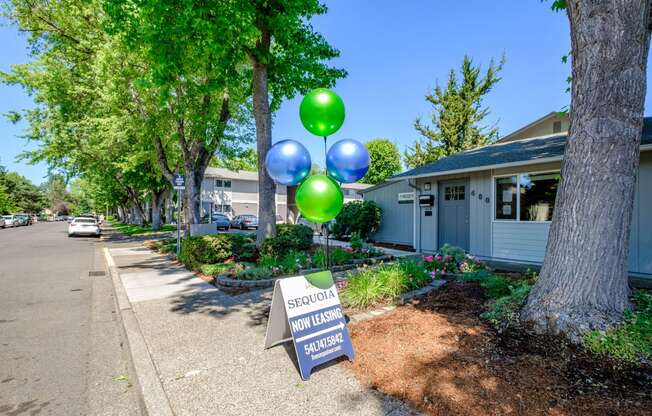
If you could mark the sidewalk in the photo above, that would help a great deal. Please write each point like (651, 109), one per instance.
(199, 351)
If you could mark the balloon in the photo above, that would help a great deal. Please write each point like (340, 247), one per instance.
(319, 198)
(322, 112)
(347, 161)
(288, 162)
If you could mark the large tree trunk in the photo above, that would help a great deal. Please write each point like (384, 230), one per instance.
(263, 117)
(157, 201)
(583, 281)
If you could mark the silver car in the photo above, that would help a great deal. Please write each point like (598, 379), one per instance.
(2, 222)
(10, 221)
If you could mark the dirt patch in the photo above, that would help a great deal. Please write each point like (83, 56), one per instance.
(437, 355)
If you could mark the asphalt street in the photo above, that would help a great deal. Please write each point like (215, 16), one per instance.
(61, 347)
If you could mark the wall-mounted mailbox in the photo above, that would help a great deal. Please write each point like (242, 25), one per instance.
(426, 200)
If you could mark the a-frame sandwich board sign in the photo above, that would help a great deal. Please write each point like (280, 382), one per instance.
(307, 311)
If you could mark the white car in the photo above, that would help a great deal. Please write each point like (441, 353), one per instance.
(9, 221)
(84, 226)
(2, 222)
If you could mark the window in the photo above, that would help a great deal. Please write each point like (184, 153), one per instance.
(506, 198)
(218, 183)
(537, 196)
(222, 208)
(227, 184)
(454, 193)
(526, 197)
(556, 127)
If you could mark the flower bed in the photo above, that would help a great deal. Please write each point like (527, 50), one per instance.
(388, 283)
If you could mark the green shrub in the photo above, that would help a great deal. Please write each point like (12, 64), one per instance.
(418, 276)
(293, 261)
(631, 340)
(319, 258)
(215, 269)
(288, 237)
(362, 217)
(340, 256)
(496, 287)
(371, 286)
(254, 273)
(212, 249)
(454, 252)
(504, 311)
(356, 241)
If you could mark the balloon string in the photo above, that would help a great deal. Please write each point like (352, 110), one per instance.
(326, 230)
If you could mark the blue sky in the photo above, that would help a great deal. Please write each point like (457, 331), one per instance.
(394, 55)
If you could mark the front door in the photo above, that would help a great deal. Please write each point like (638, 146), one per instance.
(453, 213)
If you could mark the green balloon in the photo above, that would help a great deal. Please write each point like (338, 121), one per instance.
(322, 112)
(319, 198)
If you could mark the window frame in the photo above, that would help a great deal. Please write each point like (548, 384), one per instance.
(518, 195)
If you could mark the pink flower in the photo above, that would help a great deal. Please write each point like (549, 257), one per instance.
(447, 258)
(433, 274)
(438, 258)
(428, 259)
(443, 272)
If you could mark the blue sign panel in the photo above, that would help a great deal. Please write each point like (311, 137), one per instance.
(178, 181)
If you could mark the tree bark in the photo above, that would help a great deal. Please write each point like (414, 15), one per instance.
(157, 201)
(263, 118)
(583, 281)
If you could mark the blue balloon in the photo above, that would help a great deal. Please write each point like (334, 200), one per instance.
(288, 162)
(347, 161)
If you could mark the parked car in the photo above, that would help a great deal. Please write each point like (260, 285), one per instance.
(2, 222)
(84, 226)
(10, 221)
(25, 219)
(245, 222)
(221, 221)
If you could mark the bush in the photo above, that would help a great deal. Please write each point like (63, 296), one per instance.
(288, 237)
(496, 287)
(454, 252)
(215, 269)
(504, 311)
(362, 217)
(213, 249)
(356, 241)
(255, 273)
(319, 258)
(293, 261)
(371, 286)
(341, 256)
(418, 276)
(631, 340)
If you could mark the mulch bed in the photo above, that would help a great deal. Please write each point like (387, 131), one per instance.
(438, 356)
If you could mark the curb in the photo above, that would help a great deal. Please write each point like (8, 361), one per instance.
(152, 398)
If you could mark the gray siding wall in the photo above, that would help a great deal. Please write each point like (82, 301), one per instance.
(524, 241)
(396, 224)
(242, 191)
(640, 257)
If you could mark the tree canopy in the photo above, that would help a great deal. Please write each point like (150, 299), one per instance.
(457, 115)
(385, 161)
